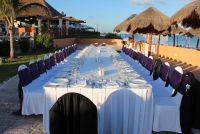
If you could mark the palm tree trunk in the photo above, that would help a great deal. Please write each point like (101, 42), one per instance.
(133, 40)
(150, 43)
(197, 44)
(12, 53)
(158, 46)
(174, 39)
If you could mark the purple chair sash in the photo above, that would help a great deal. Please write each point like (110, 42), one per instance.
(41, 67)
(175, 79)
(58, 58)
(149, 65)
(25, 77)
(47, 64)
(188, 78)
(34, 71)
(164, 72)
(52, 61)
(61, 56)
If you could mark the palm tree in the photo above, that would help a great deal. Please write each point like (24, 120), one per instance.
(7, 12)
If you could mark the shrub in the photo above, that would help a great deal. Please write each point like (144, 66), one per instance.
(44, 41)
(112, 36)
(24, 44)
(4, 48)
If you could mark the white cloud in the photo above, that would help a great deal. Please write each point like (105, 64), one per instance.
(146, 2)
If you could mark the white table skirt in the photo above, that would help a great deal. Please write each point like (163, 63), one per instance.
(127, 111)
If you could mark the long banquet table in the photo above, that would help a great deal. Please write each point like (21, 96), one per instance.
(124, 100)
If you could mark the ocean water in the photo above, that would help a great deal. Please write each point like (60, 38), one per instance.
(180, 40)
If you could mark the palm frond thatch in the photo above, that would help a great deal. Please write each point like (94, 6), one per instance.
(29, 8)
(195, 32)
(189, 15)
(123, 25)
(149, 21)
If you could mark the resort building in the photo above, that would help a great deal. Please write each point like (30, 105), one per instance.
(37, 16)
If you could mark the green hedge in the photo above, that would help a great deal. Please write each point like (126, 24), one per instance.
(44, 42)
(112, 36)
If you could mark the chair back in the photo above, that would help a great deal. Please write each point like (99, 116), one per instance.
(24, 74)
(47, 62)
(61, 55)
(73, 114)
(41, 66)
(34, 70)
(64, 53)
(188, 79)
(149, 64)
(176, 77)
(165, 71)
(157, 69)
(58, 60)
(52, 60)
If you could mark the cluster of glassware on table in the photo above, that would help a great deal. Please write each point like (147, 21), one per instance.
(122, 76)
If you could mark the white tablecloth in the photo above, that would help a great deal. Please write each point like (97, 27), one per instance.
(120, 109)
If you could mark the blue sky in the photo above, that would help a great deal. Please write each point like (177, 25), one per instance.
(108, 13)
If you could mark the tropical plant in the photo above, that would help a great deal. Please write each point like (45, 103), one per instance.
(112, 36)
(7, 12)
(44, 41)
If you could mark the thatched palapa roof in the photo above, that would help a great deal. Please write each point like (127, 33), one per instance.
(174, 29)
(189, 15)
(123, 25)
(149, 21)
(72, 19)
(29, 8)
(195, 32)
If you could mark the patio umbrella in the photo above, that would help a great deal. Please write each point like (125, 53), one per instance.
(173, 30)
(189, 15)
(150, 21)
(123, 26)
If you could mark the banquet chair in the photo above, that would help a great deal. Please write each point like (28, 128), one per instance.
(52, 60)
(73, 113)
(41, 66)
(166, 109)
(25, 79)
(47, 62)
(159, 88)
(149, 64)
(61, 56)
(34, 70)
(58, 60)
(189, 109)
(64, 53)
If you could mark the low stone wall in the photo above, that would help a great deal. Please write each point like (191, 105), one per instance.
(58, 43)
(117, 43)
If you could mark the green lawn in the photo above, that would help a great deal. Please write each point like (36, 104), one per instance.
(9, 68)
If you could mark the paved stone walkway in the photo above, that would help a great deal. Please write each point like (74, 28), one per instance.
(10, 124)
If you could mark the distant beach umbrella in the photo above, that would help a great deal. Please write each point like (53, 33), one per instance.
(151, 21)
(189, 15)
